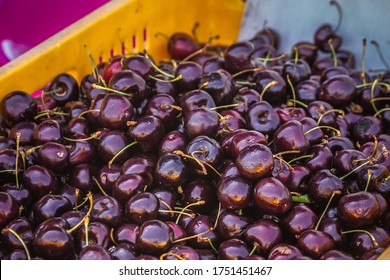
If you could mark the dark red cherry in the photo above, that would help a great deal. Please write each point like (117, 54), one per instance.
(333, 71)
(181, 45)
(191, 73)
(299, 219)
(126, 233)
(126, 186)
(244, 139)
(47, 131)
(245, 97)
(298, 179)
(39, 180)
(122, 251)
(26, 130)
(206, 254)
(233, 192)
(162, 87)
(332, 226)
(202, 225)
(115, 111)
(167, 198)
(338, 90)
(322, 36)
(81, 152)
(213, 64)
(73, 217)
(155, 237)
(128, 81)
(200, 192)
(17, 106)
(238, 56)
(139, 64)
(50, 206)
(322, 185)
(347, 160)
(111, 67)
(359, 209)
(9, 209)
(220, 85)
(230, 225)
(255, 162)
(201, 121)
(306, 51)
(148, 132)
(361, 242)
(314, 243)
(365, 128)
(178, 231)
(142, 207)
(54, 156)
(196, 99)
(65, 89)
(143, 165)
(321, 158)
(365, 94)
(98, 234)
(262, 117)
(111, 143)
(307, 91)
(172, 141)
(336, 255)
(264, 234)
(291, 137)
(81, 177)
(107, 210)
(23, 228)
(275, 94)
(107, 176)
(378, 180)
(318, 108)
(8, 162)
(163, 107)
(231, 121)
(171, 170)
(94, 252)
(77, 126)
(284, 251)
(21, 195)
(233, 249)
(372, 254)
(297, 70)
(272, 197)
(268, 36)
(337, 143)
(184, 252)
(281, 170)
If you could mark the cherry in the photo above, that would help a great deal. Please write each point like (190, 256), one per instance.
(167, 198)
(9, 209)
(172, 141)
(231, 120)
(129, 82)
(77, 126)
(142, 207)
(359, 209)
(284, 251)
(98, 234)
(171, 170)
(220, 85)
(271, 196)
(296, 70)
(233, 249)
(65, 88)
(262, 117)
(111, 143)
(321, 157)
(17, 106)
(347, 160)
(338, 90)
(333, 71)
(39, 180)
(54, 156)
(111, 67)
(81, 177)
(315, 243)
(238, 56)
(336, 255)
(306, 51)
(115, 111)
(26, 130)
(154, 237)
(264, 234)
(107, 210)
(181, 45)
(337, 143)
(143, 165)
(244, 139)
(365, 128)
(23, 229)
(299, 219)
(126, 186)
(213, 64)
(94, 252)
(190, 74)
(255, 162)
(122, 251)
(47, 131)
(323, 112)
(230, 225)
(50, 206)
(180, 252)
(73, 217)
(233, 192)
(291, 137)
(126, 233)
(201, 121)
(202, 233)
(307, 91)
(81, 151)
(196, 99)
(322, 185)
(245, 97)
(361, 242)
(163, 106)
(200, 195)
(147, 131)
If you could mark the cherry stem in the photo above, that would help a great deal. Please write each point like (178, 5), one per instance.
(94, 135)
(369, 173)
(112, 236)
(301, 198)
(341, 112)
(381, 111)
(247, 71)
(88, 111)
(338, 133)
(121, 151)
(272, 58)
(281, 160)
(285, 153)
(225, 106)
(89, 195)
(81, 204)
(292, 90)
(165, 36)
(218, 214)
(200, 202)
(5, 230)
(18, 134)
(191, 237)
(253, 250)
(333, 52)
(167, 106)
(245, 83)
(296, 55)
(157, 68)
(191, 215)
(301, 157)
(171, 254)
(7, 171)
(354, 170)
(99, 186)
(95, 71)
(202, 50)
(32, 150)
(86, 223)
(297, 102)
(49, 113)
(362, 73)
(373, 100)
(378, 49)
(340, 12)
(326, 208)
(370, 84)
(166, 204)
(76, 195)
(269, 85)
(362, 231)
(112, 90)
(372, 95)
(178, 78)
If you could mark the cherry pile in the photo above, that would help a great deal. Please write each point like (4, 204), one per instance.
(220, 152)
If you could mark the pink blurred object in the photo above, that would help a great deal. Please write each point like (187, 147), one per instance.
(26, 23)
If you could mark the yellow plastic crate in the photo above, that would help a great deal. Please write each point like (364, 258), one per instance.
(133, 23)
